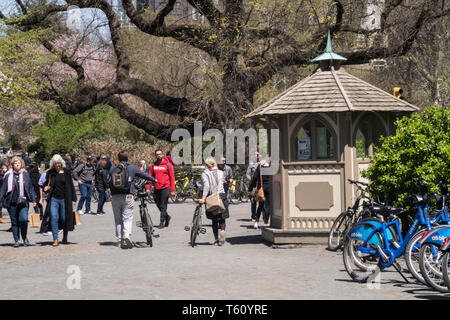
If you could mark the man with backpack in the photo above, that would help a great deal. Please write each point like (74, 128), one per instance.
(163, 171)
(84, 174)
(121, 177)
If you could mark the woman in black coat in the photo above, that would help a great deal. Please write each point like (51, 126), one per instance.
(35, 175)
(266, 185)
(61, 194)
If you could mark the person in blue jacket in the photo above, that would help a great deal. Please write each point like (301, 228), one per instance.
(16, 193)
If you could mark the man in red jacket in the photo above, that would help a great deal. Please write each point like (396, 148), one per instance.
(162, 171)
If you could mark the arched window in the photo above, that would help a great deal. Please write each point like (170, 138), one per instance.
(367, 135)
(314, 140)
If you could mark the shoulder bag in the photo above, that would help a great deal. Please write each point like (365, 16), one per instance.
(260, 192)
(214, 203)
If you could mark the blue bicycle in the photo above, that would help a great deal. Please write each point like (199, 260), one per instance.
(373, 246)
(433, 246)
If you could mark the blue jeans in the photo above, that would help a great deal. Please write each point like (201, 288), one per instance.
(101, 198)
(86, 195)
(57, 215)
(226, 188)
(19, 221)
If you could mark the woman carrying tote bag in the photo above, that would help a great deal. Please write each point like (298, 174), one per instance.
(263, 184)
(215, 198)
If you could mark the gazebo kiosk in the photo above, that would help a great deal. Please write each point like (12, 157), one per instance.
(328, 125)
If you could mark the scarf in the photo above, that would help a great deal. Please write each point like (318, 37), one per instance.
(10, 181)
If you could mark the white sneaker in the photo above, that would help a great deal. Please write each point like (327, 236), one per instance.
(256, 225)
(80, 212)
(49, 233)
(60, 231)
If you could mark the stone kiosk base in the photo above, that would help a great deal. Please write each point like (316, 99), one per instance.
(295, 236)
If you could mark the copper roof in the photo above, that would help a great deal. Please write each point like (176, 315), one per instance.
(332, 91)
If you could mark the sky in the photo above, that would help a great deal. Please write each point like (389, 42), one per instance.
(78, 18)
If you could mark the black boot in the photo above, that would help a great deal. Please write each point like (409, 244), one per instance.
(161, 224)
(167, 220)
(64, 240)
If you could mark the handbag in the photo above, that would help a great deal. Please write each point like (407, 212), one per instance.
(21, 201)
(214, 203)
(35, 220)
(260, 197)
(77, 218)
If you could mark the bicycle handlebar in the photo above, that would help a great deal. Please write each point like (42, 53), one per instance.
(358, 182)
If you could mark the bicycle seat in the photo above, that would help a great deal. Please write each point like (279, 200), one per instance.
(415, 197)
(385, 210)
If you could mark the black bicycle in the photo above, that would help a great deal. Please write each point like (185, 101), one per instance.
(146, 222)
(196, 226)
(341, 225)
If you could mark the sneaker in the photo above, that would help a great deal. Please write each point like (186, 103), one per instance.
(2, 220)
(48, 233)
(221, 237)
(89, 212)
(16, 245)
(216, 243)
(80, 212)
(128, 242)
(26, 243)
(118, 244)
(255, 225)
(60, 231)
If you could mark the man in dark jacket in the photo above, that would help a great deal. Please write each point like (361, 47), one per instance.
(26, 159)
(84, 173)
(122, 197)
(101, 184)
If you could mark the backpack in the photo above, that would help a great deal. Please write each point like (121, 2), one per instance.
(119, 182)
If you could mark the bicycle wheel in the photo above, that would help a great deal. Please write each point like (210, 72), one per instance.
(359, 271)
(180, 192)
(233, 197)
(411, 256)
(446, 269)
(194, 193)
(337, 236)
(195, 227)
(244, 196)
(148, 228)
(431, 267)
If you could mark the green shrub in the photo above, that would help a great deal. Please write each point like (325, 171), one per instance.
(419, 149)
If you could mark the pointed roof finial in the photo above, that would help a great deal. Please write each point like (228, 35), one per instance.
(329, 54)
(329, 49)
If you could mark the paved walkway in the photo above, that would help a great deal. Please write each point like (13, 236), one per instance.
(244, 268)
